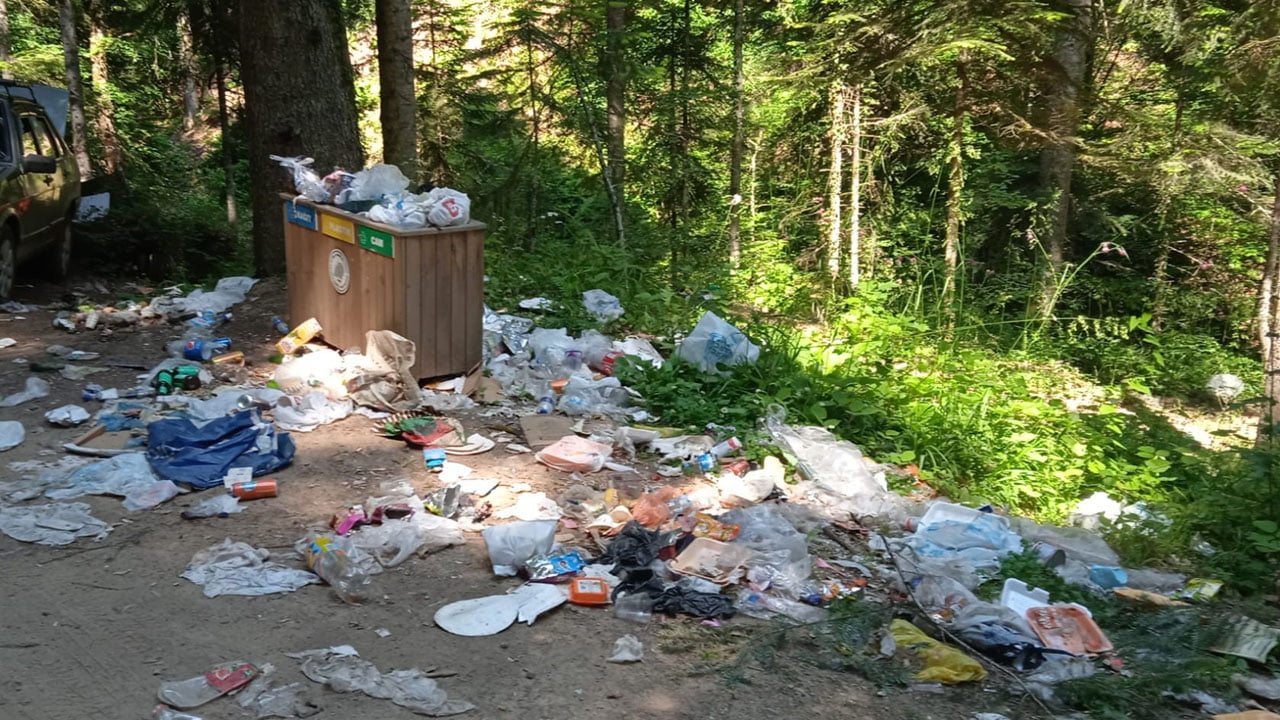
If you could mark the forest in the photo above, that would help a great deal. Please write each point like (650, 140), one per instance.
(1006, 244)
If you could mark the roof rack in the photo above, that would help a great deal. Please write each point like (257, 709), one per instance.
(7, 87)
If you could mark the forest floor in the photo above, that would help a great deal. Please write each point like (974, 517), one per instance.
(91, 630)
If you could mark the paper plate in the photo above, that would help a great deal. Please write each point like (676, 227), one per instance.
(488, 615)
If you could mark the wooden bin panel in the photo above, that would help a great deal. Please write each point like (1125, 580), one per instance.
(431, 291)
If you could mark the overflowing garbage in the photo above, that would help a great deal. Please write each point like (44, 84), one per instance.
(640, 523)
(381, 192)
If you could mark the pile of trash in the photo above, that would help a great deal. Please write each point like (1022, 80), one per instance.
(381, 192)
(169, 306)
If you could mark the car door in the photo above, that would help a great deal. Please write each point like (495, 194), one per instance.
(57, 182)
(37, 208)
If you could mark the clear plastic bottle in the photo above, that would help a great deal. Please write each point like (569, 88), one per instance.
(637, 608)
(546, 405)
(572, 361)
(196, 691)
(733, 444)
(329, 560)
(164, 712)
(759, 605)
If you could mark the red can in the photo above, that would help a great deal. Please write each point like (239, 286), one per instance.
(738, 467)
(254, 489)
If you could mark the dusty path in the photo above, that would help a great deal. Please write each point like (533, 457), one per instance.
(90, 630)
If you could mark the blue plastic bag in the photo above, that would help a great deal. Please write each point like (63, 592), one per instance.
(200, 456)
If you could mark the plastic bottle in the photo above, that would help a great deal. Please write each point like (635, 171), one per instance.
(731, 445)
(759, 605)
(196, 691)
(546, 405)
(602, 359)
(164, 712)
(329, 560)
(280, 326)
(637, 608)
(572, 361)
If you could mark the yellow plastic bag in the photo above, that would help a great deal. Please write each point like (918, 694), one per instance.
(942, 663)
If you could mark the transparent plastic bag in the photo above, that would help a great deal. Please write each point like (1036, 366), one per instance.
(375, 182)
(305, 180)
(511, 545)
(715, 342)
(602, 305)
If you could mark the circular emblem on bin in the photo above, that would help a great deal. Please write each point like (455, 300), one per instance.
(339, 271)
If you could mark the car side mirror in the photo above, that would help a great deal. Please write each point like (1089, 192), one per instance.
(41, 164)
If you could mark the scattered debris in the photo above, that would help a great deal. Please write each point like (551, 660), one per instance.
(343, 670)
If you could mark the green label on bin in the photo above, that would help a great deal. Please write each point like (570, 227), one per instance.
(377, 241)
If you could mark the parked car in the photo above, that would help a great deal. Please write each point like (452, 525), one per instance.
(39, 181)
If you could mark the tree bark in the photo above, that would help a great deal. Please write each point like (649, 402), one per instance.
(398, 112)
(616, 108)
(228, 157)
(299, 101)
(1268, 321)
(955, 187)
(835, 180)
(6, 45)
(1072, 46)
(735, 159)
(187, 58)
(855, 190)
(104, 106)
(75, 85)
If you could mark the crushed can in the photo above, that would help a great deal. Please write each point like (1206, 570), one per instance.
(254, 489)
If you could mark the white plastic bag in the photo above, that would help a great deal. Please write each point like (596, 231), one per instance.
(395, 541)
(52, 524)
(305, 180)
(511, 546)
(67, 416)
(375, 182)
(11, 434)
(449, 207)
(236, 568)
(715, 342)
(603, 305)
(344, 671)
(35, 388)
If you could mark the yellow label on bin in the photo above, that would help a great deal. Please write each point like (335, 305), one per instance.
(377, 241)
(338, 228)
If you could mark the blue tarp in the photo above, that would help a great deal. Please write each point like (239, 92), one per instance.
(200, 456)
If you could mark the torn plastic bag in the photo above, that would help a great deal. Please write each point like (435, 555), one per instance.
(395, 541)
(67, 416)
(627, 649)
(11, 434)
(35, 388)
(220, 505)
(373, 183)
(265, 699)
(306, 182)
(236, 568)
(634, 547)
(550, 346)
(604, 306)
(386, 380)
(714, 342)
(942, 663)
(832, 464)
(229, 291)
(676, 600)
(128, 476)
(510, 546)
(52, 524)
(313, 410)
(449, 207)
(344, 671)
(1000, 634)
(200, 456)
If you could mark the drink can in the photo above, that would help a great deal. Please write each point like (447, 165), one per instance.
(738, 467)
(606, 362)
(254, 489)
(163, 382)
(708, 462)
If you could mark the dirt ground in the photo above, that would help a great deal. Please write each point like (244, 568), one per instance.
(90, 630)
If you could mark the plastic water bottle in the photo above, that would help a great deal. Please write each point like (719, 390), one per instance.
(733, 444)
(572, 361)
(280, 326)
(637, 608)
(546, 405)
(196, 691)
(329, 560)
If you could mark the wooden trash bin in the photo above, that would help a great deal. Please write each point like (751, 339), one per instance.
(354, 275)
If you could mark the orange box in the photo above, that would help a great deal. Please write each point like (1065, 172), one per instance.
(588, 591)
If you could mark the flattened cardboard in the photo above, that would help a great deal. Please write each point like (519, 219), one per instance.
(542, 430)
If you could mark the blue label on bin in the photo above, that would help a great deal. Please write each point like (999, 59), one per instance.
(302, 215)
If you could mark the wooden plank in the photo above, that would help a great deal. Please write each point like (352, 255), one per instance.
(458, 300)
(475, 296)
(410, 272)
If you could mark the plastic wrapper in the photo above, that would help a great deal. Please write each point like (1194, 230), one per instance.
(236, 568)
(313, 410)
(574, 454)
(583, 396)
(51, 524)
(34, 388)
(510, 546)
(634, 547)
(554, 568)
(677, 600)
(549, 345)
(602, 305)
(220, 505)
(763, 606)
(396, 540)
(627, 649)
(942, 663)
(531, 506)
(344, 671)
(834, 465)
(266, 699)
(306, 182)
(714, 342)
(128, 476)
(1000, 634)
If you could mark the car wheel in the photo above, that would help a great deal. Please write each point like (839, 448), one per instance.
(8, 262)
(59, 262)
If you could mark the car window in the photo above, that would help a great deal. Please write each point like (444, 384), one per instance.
(4, 133)
(48, 142)
(29, 144)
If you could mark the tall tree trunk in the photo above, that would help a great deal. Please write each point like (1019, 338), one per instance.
(616, 109)
(531, 238)
(187, 57)
(398, 111)
(955, 186)
(855, 190)
(104, 106)
(75, 85)
(1072, 46)
(6, 46)
(835, 180)
(299, 112)
(1268, 322)
(228, 157)
(735, 159)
